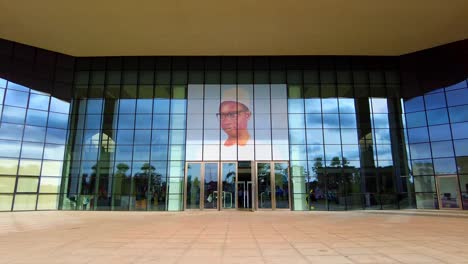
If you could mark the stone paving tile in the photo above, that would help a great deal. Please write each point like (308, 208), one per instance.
(231, 237)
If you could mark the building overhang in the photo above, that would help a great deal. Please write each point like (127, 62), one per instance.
(243, 27)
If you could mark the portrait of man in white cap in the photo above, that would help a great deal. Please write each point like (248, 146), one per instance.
(234, 115)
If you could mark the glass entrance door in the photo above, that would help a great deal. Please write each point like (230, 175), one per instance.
(201, 183)
(245, 196)
(228, 188)
(448, 192)
(273, 185)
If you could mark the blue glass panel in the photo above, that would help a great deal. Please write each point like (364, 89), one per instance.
(160, 121)
(384, 152)
(2, 95)
(347, 105)
(92, 121)
(332, 136)
(3, 83)
(461, 147)
(38, 101)
(440, 133)
(314, 136)
(445, 166)
(161, 106)
(382, 136)
(420, 151)
(127, 106)
(297, 136)
(176, 137)
(348, 121)
(56, 136)
(414, 104)
(123, 152)
(331, 152)
(159, 152)
(295, 106)
(160, 137)
(380, 121)
(57, 105)
(455, 86)
(422, 167)
(313, 105)
(313, 120)
(349, 136)
(124, 137)
(418, 135)
(458, 113)
(18, 87)
(33, 133)
(142, 137)
(330, 105)
(10, 149)
(434, 101)
(351, 152)
(416, 119)
(460, 130)
(13, 114)
(94, 106)
(141, 152)
(143, 121)
(297, 152)
(144, 106)
(126, 121)
(178, 106)
(457, 97)
(442, 149)
(58, 120)
(437, 117)
(296, 120)
(331, 121)
(177, 121)
(315, 152)
(54, 152)
(32, 150)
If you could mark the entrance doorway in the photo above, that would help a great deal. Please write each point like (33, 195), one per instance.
(273, 185)
(448, 192)
(242, 185)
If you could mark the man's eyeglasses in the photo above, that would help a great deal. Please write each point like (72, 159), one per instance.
(229, 115)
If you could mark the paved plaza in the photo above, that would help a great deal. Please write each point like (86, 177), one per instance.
(233, 237)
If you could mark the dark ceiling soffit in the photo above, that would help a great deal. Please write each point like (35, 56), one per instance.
(52, 72)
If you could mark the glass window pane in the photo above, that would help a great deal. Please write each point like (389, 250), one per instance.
(437, 117)
(16, 98)
(418, 135)
(458, 113)
(25, 202)
(434, 101)
(445, 166)
(27, 184)
(442, 149)
(50, 185)
(457, 97)
(460, 130)
(47, 202)
(30, 167)
(7, 184)
(416, 119)
(52, 168)
(440, 133)
(37, 101)
(57, 105)
(13, 115)
(10, 149)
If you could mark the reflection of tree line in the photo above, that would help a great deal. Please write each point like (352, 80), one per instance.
(147, 185)
(339, 178)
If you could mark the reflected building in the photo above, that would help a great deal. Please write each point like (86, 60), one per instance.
(230, 133)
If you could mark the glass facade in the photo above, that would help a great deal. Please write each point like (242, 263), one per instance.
(223, 133)
(33, 130)
(437, 127)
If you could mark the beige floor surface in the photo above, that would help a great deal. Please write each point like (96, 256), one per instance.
(231, 237)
